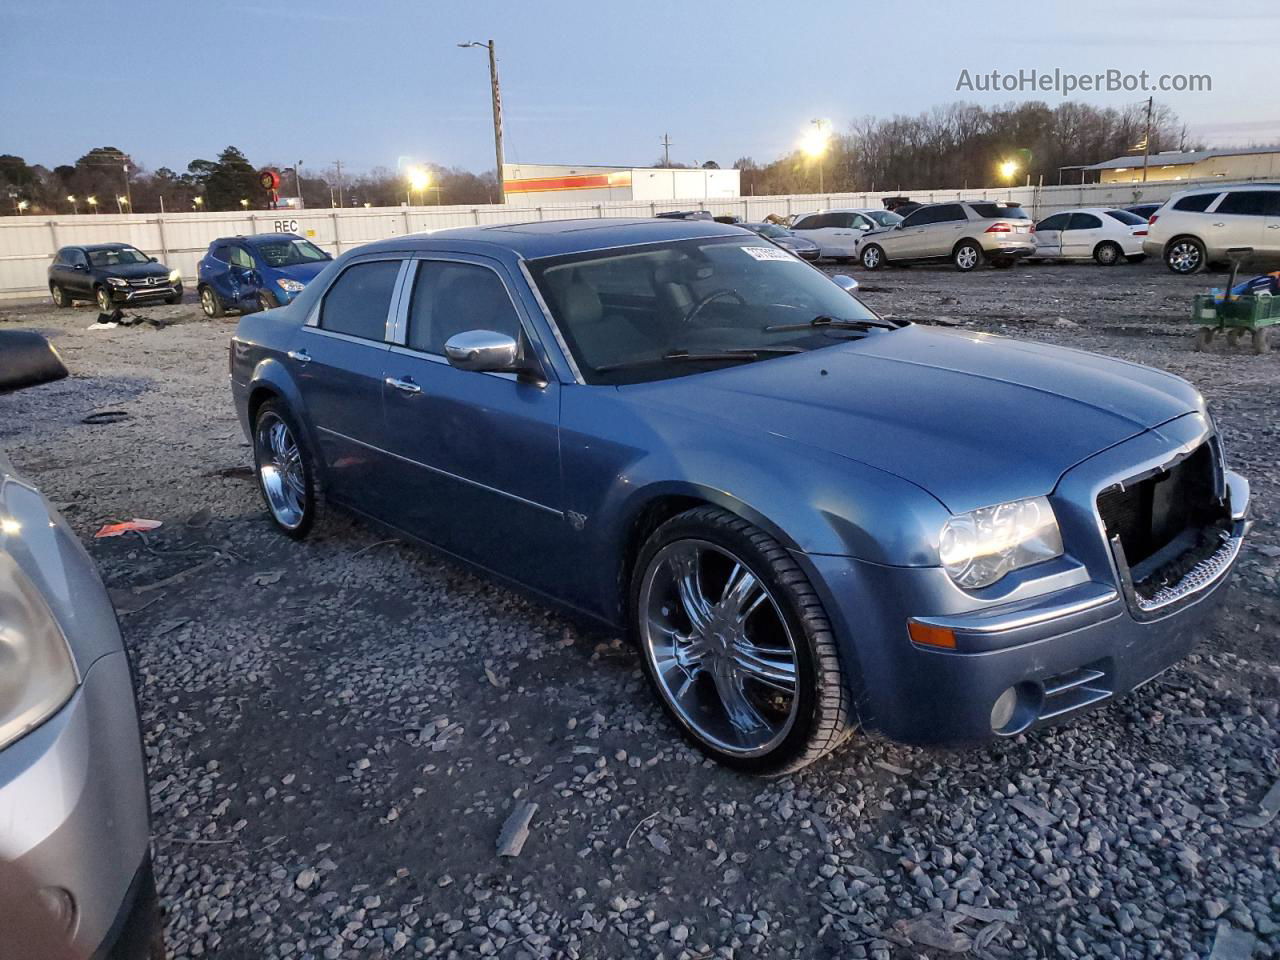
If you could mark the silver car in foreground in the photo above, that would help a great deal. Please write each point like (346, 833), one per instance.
(75, 858)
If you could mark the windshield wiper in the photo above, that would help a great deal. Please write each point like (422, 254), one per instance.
(822, 320)
(743, 355)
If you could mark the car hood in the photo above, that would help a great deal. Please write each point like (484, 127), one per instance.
(971, 418)
(133, 271)
(798, 243)
(302, 272)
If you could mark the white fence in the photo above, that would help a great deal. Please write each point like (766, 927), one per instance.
(28, 243)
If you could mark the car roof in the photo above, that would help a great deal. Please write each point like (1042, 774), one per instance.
(114, 245)
(550, 238)
(1222, 187)
(255, 238)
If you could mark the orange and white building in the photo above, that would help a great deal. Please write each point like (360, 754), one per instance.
(546, 184)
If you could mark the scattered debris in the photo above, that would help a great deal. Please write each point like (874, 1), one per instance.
(659, 843)
(935, 930)
(267, 577)
(516, 829)
(105, 416)
(239, 472)
(200, 518)
(1037, 814)
(1267, 810)
(135, 525)
(1232, 944)
(895, 770)
(169, 626)
(987, 914)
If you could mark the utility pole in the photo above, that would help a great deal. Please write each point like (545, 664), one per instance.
(128, 196)
(297, 181)
(1146, 142)
(338, 165)
(666, 149)
(496, 93)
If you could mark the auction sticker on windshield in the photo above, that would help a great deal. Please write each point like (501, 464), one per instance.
(768, 253)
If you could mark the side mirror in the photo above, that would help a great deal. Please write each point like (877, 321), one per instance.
(484, 351)
(152, 260)
(845, 283)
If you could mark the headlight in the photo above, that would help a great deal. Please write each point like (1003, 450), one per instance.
(980, 547)
(175, 276)
(290, 286)
(37, 675)
(117, 282)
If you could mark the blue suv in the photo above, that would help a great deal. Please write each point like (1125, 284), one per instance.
(256, 273)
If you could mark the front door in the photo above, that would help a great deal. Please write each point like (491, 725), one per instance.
(480, 452)
(1083, 233)
(337, 359)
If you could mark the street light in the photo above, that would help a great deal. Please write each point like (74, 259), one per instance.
(121, 203)
(815, 143)
(1008, 170)
(92, 202)
(244, 202)
(198, 202)
(22, 205)
(419, 180)
(71, 199)
(497, 111)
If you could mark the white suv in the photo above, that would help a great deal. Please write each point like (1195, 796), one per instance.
(1197, 227)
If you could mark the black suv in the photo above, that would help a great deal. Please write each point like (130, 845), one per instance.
(110, 273)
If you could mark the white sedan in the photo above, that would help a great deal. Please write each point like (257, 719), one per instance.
(1106, 235)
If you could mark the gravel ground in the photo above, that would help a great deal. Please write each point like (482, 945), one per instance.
(337, 731)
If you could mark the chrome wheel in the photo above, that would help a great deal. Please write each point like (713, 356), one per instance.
(967, 257)
(104, 300)
(871, 258)
(207, 303)
(1184, 257)
(280, 470)
(719, 647)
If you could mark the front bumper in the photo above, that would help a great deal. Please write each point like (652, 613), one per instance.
(135, 294)
(1063, 636)
(73, 803)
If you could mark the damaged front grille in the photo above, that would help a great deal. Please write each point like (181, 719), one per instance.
(1170, 531)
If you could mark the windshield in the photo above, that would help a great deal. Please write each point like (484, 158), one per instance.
(117, 258)
(660, 310)
(771, 230)
(289, 253)
(885, 218)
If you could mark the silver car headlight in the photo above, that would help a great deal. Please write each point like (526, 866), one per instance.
(37, 674)
(289, 286)
(980, 547)
(117, 282)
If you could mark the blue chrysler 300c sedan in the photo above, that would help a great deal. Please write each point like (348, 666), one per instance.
(809, 518)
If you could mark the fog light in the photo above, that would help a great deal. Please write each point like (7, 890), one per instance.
(1002, 712)
(60, 904)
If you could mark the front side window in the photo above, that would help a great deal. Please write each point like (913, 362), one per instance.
(1196, 202)
(451, 298)
(921, 217)
(120, 257)
(359, 299)
(694, 305)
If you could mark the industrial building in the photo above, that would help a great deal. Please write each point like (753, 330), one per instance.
(1245, 163)
(546, 184)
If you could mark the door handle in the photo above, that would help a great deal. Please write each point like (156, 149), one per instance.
(299, 355)
(1273, 226)
(404, 386)
(1219, 224)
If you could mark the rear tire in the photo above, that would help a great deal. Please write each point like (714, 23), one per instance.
(966, 256)
(1107, 254)
(60, 298)
(762, 692)
(287, 473)
(1185, 256)
(211, 303)
(1136, 258)
(872, 257)
(175, 297)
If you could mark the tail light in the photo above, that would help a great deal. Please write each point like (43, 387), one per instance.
(1032, 228)
(1153, 219)
(1139, 233)
(999, 228)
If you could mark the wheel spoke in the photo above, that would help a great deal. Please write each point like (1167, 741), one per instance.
(742, 594)
(688, 571)
(770, 667)
(742, 715)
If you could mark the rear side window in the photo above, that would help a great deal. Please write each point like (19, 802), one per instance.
(1084, 221)
(1125, 217)
(358, 301)
(1251, 203)
(1196, 203)
(999, 211)
(452, 298)
(240, 257)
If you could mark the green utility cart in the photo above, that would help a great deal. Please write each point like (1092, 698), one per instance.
(1236, 317)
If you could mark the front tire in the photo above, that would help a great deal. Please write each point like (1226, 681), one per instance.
(872, 257)
(1107, 254)
(266, 301)
(60, 298)
(967, 256)
(736, 644)
(211, 303)
(1185, 255)
(288, 478)
(103, 298)
(175, 297)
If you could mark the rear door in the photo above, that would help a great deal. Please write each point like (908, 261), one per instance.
(216, 272)
(337, 361)
(243, 279)
(1049, 235)
(1083, 233)
(479, 453)
(1271, 230)
(1238, 220)
(77, 274)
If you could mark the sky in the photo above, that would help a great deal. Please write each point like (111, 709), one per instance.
(382, 82)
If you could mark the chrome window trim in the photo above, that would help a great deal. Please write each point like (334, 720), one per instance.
(398, 350)
(551, 322)
(443, 473)
(346, 337)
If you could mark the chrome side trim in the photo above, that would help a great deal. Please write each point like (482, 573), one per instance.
(551, 322)
(443, 473)
(1086, 596)
(1200, 577)
(334, 334)
(399, 305)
